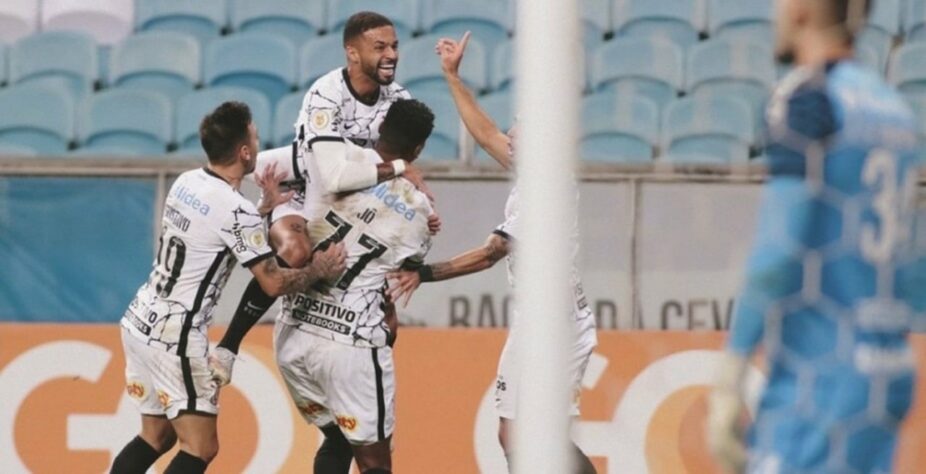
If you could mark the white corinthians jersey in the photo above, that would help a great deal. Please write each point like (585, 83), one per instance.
(582, 314)
(206, 226)
(383, 227)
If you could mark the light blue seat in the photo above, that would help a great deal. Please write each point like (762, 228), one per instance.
(488, 20)
(192, 107)
(677, 20)
(260, 62)
(161, 61)
(9, 149)
(749, 19)
(882, 27)
(420, 71)
(868, 57)
(735, 68)
(619, 128)
(66, 59)
(708, 129)
(126, 121)
(296, 20)
(908, 69)
(500, 106)
(596, 22)
(405, 15)
(284, 119)
(650, 67)
(320, 56)
(4, 70)
(914, 24)
(443, 145)
(204, 19)
(43, 119)
(501, 72)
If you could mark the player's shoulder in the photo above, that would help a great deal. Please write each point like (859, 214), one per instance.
(327, 90)
(395, 91)
(802, 104)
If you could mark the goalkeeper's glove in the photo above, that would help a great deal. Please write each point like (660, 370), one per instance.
(725, 406)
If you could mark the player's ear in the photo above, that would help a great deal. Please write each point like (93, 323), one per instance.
(418, 150)
(353, 54)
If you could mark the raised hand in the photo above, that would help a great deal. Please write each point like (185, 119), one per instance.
(451, 53)
(269, 184)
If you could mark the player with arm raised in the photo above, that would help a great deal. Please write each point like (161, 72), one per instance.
(499, 245)
(332, 341)
(832, 281)
(207, 226)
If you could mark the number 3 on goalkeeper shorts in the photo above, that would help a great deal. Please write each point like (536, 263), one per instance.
(892, 203)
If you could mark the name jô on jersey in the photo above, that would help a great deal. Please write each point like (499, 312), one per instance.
(188, 197)
(392, 201)
(176, 218)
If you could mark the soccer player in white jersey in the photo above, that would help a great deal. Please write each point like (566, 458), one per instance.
(332, 342)
(207, 226)
(497, 246)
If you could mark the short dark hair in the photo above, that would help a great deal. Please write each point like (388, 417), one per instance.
(361, 22)
(407, 124)
(223, 131)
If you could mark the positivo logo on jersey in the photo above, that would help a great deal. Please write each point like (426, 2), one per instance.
(392, 201)
(188, 197)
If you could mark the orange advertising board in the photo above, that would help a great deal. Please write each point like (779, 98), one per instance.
(64, 404)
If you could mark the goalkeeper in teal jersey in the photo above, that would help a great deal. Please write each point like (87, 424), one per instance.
(834, 279)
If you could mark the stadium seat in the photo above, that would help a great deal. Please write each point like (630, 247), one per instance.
(107, 21)
(204, 19)
(882, 27)
(403, 13)
(66, 59)
(18, 19)
(732, 68)
(488, 20)
(284, 119)
(4, 70)
(596, 22)
(914, 24)
(676, 20)
(161, 61)
(192, 107)
(43, 121)
(708, 129)
(645, 66)
(7, 149)
(619, 128)
(501, 72)
(868, 56)
(420, 69)
(748, 19)
(296, 20)
(908, 69)
(260, 62)
(499, 106)
(125, 121)
(443, 145)
(322, 55)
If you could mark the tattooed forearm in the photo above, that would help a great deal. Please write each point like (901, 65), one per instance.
(384, 172)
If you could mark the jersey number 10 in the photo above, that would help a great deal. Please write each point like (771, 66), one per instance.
(172, 255)
(341, 229)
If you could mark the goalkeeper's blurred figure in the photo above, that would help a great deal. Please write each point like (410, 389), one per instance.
(834, 278)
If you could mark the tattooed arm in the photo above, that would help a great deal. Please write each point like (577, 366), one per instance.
(277, 281)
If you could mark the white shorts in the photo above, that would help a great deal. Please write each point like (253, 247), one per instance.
(161, 383)
(506, 382)
(331, 382)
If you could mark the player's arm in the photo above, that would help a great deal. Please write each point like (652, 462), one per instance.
(276, 281)
(472, 261)
(338, 174)
(479, 124)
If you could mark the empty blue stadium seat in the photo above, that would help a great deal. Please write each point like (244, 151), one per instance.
(420, 69)
(499, 106)
(619, 128)
(443, 145)
(488, 20)
(751, 19)
(734, 68)
(65, 59)
(708, 129)
(4, 70)
(915, 21)
(161, 61)
(284, 119)
(192, 107)
(106, 21)
(9, 149)
(322, 55)
(882, 27)
(43, 119)
(596, 22)
(18, 19)
(676, 20)
(908, 69)
(256, 61)
(645, 66)
(204, 19)
(501, 72)
(296, 20)
(126, 121)
(403, 13)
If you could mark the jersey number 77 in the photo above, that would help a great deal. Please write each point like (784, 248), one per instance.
(341, 229)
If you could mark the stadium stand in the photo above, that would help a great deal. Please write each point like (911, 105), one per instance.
(707, 129)
(4, 69)
(915, 21)
(125, 122)
(320, 56)
(488, 20)
(596, 22)
(204, 19)
(7, 149)
(677, 20)
(161, 61)
(252, 60)
(444, 142)
(868, 56)
(734, 68)
(192, 107)
(747, 19)
(66, 59)
(650, 67)
(500, 106)
(284, 118)
(43, 121)
(622, 129)
(419, 75)
(295, 20)
(908, 69)
(883, 26)
(405, 14)
(501, 72)
(107, 21)
(18, 19)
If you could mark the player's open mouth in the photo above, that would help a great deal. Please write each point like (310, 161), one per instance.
(387, 69)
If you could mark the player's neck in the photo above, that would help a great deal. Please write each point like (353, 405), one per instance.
(361, 84)
(232, 174)
(822, 48)
(385, 153)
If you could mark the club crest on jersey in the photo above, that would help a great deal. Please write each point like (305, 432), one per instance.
(392, 201)
(320, 119)
(163, 398)
(188, 197)
(257, 239)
